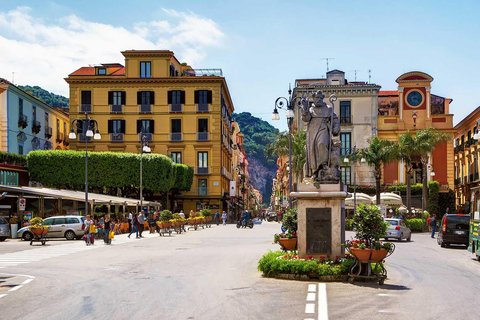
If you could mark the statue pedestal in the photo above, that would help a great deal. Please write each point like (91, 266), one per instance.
(321, 220)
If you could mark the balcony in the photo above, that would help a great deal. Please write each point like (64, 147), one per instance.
(227, 174)
(175, 136)
(116, 109)
(202, 170)
(36, 127)
(145, 108)
(346, 119)
(85, 108)
(457, 181)
(59, 136)
(83, 138)
(202, 191)
(470, 178)
(48, 132)
(176, 108)
(22, 121)
(149, 137)
(202, 107)
(116, 137)
(203, 136)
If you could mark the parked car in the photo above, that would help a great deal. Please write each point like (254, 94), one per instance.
(398, 230)
(69, 227)
(454, 229)
(4, 229)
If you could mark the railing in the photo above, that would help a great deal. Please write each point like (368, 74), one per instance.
(176, 108)
(176, 136)
(48, 132)
(85, 108)
(59, 136)
(203, 136)
(83, 138)
(116, 137)
(116, 109)
(202, 170)
(202, 191)
(149, 137)
(204, 72)
(145, 108)
(36, 127)
(457, 181)
(203, 107)
(22, 120)
(345, 119)
(227, 174)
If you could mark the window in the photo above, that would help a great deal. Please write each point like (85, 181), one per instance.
(145, 97)
(20, 106)
(145, 69)
(65, 129)
(20, 148)
(59, 221)
(345, 112)
(72, 221)
(176, 125)
(346, 174)
(48, 222)
(102, 71)
(34, 113)
(202, 125)
(116, 98)
(58, 126)
(116, 126)
(203, 159)
(202, 187)
(203, 97)
(346, 139)
(46, 120)
(176, 157)
(86, 101)
(145, 126)
(176, 97)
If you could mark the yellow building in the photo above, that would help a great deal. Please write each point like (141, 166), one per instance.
(184, 113)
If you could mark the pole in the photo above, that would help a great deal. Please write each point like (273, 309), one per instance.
(290, 163)
(355, 181)
(141, 173)
(86, 163)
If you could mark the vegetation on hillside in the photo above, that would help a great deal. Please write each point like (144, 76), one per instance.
(49, 98)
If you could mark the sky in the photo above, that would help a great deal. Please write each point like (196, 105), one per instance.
(261, 46)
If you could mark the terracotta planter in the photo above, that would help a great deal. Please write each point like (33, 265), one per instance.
(164, 224)
(288, 244)
(39, 232)
(192, 222)
(363, 254)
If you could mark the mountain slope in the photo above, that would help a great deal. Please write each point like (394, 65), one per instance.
(49, 98)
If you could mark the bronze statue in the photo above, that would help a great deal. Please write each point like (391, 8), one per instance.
(322, 156)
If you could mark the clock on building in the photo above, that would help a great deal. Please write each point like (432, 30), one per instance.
(414, 98)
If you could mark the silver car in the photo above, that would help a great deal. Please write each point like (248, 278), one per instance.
(4, 229)
(69, 227)
(398, 230)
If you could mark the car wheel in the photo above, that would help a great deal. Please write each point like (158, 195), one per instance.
(27, 236)
(70, 235)
(409, 237)
(442, 244)
(3, 238)
(401, 237)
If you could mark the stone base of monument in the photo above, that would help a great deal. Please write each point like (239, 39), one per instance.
(321, 220)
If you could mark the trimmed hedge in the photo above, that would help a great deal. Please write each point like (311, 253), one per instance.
(415, 224)
(13, 158)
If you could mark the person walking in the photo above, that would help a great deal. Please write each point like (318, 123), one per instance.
(88, 223)
(130, 219)
(428, 224)
(134, 225)
(106, 229)
(224, 218)
(182, 214)
(217, 217)
(433, 224)
(141, 222)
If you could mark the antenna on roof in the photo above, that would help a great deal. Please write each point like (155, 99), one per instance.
(13, 77)
(355, 73)
(369, 76)
(327, 61)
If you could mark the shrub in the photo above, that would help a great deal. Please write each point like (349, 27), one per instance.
(415, 224)
(349, 224)
(368, 224)
(433, 190)
(206, 213)
(166, 215)
(13, 158)
(290, 220)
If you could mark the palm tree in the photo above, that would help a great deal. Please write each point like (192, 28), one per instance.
(280, 148)
(380, 152)
(405, 150)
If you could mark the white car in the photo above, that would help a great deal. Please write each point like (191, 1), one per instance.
(69, 227)
(398, 230)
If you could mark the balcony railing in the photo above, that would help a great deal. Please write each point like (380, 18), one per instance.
(202, 170)
(176, 136)
(36, 127)
(48, 132)
(457, 181)
(116, 109)
(202, 191)
(203, 136)
(59, 136)
(470, 178)
(345, 119)
(203, 107)
(22, 120)
(149, 137)
(227, 174)
(145, 108)
(83, 138)
(85, 108)
(176, 108)
(116, 137)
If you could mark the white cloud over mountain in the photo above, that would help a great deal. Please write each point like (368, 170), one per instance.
(43, 54)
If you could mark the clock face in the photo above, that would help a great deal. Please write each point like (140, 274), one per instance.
(414, 98)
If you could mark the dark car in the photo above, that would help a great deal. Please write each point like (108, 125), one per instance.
(454, 229)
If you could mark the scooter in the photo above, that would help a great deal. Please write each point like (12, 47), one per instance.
(248, 223)
(272, 216)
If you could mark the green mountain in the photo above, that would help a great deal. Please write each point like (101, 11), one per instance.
(257, 135)
(49, 98)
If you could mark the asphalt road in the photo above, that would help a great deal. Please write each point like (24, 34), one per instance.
(211, 274)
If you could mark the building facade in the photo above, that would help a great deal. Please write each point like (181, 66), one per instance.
(28, 123)
(184, 113)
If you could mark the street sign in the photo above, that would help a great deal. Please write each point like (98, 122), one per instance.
(21, 204)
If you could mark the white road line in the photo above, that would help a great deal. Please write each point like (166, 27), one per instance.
(15, 288)
(311, 296)
(2, 295)
(322, 302)
(312, 288)
(386, 295)
(310, 308)
(27, 281)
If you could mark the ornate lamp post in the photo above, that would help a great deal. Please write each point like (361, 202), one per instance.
(88, 126)
(143, 148)
(354, 156)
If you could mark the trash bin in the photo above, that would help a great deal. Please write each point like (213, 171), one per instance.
(13, 229)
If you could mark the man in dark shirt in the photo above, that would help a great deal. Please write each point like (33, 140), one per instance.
(433, 224)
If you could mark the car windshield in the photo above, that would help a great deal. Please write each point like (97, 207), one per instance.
(458, 222)
(393, 222)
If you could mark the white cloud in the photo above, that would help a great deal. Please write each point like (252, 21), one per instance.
(43, 54)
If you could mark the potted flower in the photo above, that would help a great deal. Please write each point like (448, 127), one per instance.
(164, 222)
(206, 214)
(14, 226)
(288, 239)
(178, 220)
(369, 227)
(37, 227)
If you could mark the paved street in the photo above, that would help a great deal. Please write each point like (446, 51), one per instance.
(211, 274)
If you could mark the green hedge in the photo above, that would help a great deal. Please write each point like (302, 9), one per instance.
(349, 224)
(13, 158)
(415, 224)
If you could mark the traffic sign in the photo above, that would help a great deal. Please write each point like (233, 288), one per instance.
(22, 204)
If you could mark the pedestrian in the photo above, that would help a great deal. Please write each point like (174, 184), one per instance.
(182, 214)
(217, 217)
(433, 224)
(428, 224)
(192, 214)
(141, 222)
(88, 223)
(151, 222)
(224, 218)
(130, 219)
(279, 216)
(107, 225)
(134, 225)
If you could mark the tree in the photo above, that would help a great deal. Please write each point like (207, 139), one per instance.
(405, 150)
(379, 153)
(280, 148)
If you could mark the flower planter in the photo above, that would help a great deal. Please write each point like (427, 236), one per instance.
(39, 231)
(192, 222)
(164, 224)
(363, 255)
(288, 243)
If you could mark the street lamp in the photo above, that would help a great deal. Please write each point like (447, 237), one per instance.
(354, 155)
(89, 126)
(286, 104)
(143, 148)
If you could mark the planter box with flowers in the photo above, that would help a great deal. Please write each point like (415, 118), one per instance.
(37, 228)
(288, 239)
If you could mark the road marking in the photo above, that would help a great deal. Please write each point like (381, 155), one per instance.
(310, 308)
(27, 281)
(322, 302)
(2, 295)
(312, 288)
(386, 295)
(311, 296)
(15, 288)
